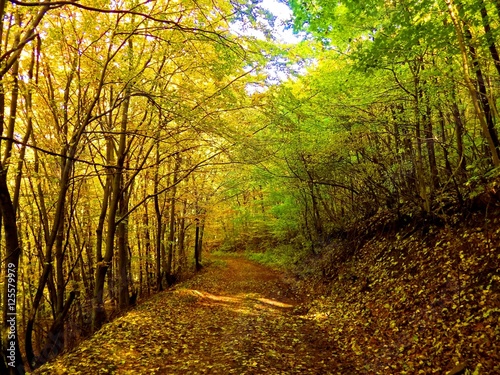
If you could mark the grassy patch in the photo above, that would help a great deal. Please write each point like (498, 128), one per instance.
(282, 257)
(221, 253)
(216, 262)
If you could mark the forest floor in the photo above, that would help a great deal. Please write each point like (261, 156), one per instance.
(421, 298)
(424, 299)
(235, 317)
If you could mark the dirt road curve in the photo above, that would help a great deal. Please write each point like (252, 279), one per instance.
(236, 317)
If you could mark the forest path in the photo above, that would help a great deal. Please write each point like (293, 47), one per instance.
(235, 317)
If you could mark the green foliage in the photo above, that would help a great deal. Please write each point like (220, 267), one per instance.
(284, 257)
(378, 122)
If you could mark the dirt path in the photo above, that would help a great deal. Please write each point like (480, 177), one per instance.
(236, 317)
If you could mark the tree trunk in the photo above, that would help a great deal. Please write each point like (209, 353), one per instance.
(483, 93)
(123, 258)
(182, 237)
(12, 362)
(98, 310)
(489, 36)
(197, 250)
(421, 180)
(470, 86)
(200, 240)
(171, 229)
(159, 223)
(429, 138)
(459, 130)
(147, 252)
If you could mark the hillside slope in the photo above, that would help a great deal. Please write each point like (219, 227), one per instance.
(420, 300)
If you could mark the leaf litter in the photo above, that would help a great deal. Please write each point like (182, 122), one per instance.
(235, 317)
(416, 303)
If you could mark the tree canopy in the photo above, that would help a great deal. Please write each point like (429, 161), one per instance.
(136, 134)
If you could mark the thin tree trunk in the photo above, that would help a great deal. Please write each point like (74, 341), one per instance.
(470, 86)
(171, 229)
(489, 36)
(123, 258)
(182, 237)
(147, 251)
(29, 129)
(13, 107)
(459, 130)
(429, 139)
(483, 94)
(444, 140)
(421, 180)
(200, 240)
(159, 223)
(98, 310)
(197, 255)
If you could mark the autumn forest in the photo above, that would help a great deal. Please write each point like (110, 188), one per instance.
(149, 144)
